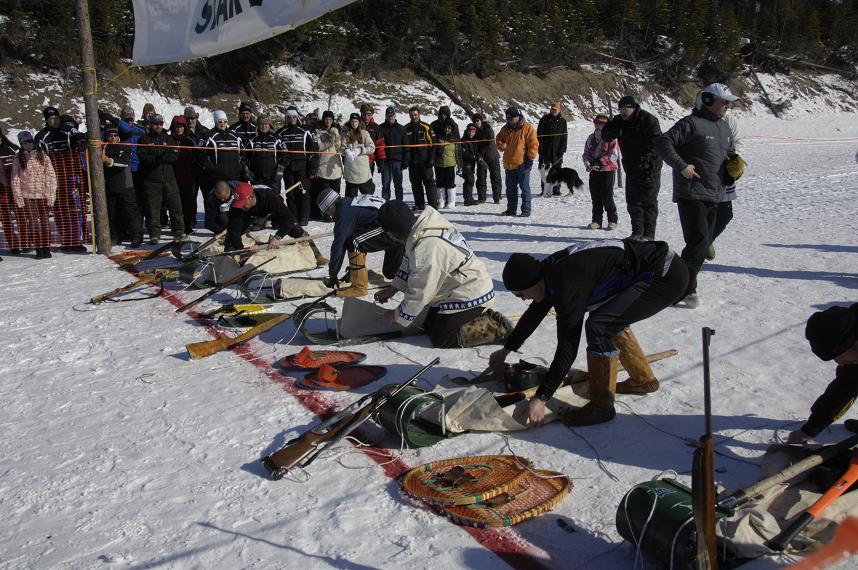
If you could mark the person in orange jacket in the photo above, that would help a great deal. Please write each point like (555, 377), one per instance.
(518, 142)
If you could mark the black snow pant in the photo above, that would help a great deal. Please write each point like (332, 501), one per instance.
(443, 328)
(642, 200)
(353, 189)
(370, 239)
(725, 214)
(422, 178)
(640, 301)
(697, 219)
(494, 171)
(188, 194)
(602, 196)
(468, 173)
(123, 215)
(168, 194)
(835, 401)
(298, 200)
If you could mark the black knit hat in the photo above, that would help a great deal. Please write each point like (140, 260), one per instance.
(245, 107)
(326, 114)
(397, 218)
(627, 101)
(513, 112)
(522, 271)
(51, 112)
(830, 331)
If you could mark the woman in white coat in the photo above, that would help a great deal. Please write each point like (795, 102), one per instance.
(356, 146)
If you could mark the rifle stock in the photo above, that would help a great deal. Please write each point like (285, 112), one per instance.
(231, 281)
(703, 477)
(145, 280)
(131, 262)
(303, 450)
(205, 348)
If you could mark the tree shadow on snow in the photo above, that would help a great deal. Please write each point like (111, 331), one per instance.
(838, 248)
(849, 280)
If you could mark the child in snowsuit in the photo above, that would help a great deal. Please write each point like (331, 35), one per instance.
(470, 157)
(600, 160)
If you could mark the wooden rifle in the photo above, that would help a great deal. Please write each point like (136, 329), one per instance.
(231, 281)
(260, 247)
(703, 477)
(157, 252)
(196, 254)
(197, 350)
(146, 279)
(304, 449)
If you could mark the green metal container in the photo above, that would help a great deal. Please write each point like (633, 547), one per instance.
(658, 516)
(400, 417)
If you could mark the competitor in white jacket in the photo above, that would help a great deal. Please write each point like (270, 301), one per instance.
(441, 272)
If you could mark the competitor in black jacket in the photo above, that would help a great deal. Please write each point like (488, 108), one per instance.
(250, 203)
(488, 160)
(220, 155)
(833, 335)
(618, 283)
(553, 136)
(157, 154)
(300, 160)
(122, 211)
(263, 156)
(420, 161)
(357, 231)
(637, 131)
(63, 149)
(245, 128)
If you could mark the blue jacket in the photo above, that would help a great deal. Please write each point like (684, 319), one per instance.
(131, 134)
(354, 216)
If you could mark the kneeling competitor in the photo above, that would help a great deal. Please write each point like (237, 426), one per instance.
(440, 271)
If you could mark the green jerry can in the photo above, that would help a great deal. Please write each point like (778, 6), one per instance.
(657, 516)
(400, 416)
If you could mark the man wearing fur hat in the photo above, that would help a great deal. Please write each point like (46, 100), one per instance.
(697, 148)
(356, 231)
(441, 273)
(618, 282)
(833, 335)
(553, 136)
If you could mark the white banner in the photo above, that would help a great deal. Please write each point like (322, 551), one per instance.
(167, 31)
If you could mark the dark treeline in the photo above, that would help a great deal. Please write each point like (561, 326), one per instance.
(677, 39)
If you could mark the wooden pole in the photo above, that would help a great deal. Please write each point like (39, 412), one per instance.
(94, 164)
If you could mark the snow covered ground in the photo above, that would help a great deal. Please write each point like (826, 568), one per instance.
(116, 451)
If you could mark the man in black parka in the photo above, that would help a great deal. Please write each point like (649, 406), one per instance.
(637, 130)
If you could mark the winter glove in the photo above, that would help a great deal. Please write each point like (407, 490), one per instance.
(349, 154)
(331, 282)
(528, 164)
(735, 166)
(379, 164)
(404, 166)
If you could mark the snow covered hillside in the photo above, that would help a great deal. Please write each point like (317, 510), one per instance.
(116, 451)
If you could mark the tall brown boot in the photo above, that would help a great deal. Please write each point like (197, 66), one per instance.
(358, 276)
(641, 380)
(603, 384)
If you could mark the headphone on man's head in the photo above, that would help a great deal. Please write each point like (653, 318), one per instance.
(707, 98)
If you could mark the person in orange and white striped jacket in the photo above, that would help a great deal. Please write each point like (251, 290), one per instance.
(34, 186)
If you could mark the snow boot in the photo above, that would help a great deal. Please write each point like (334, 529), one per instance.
(594, 226)
(602, 381)
(358, 276)
(641, 380)
(693, 300)
(612, 226)
(489, 327)
(710, 253)
(450, 195)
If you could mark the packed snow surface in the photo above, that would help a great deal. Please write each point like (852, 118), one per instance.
(116, 451)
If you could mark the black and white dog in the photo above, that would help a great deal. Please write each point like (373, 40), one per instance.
(567, 176)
